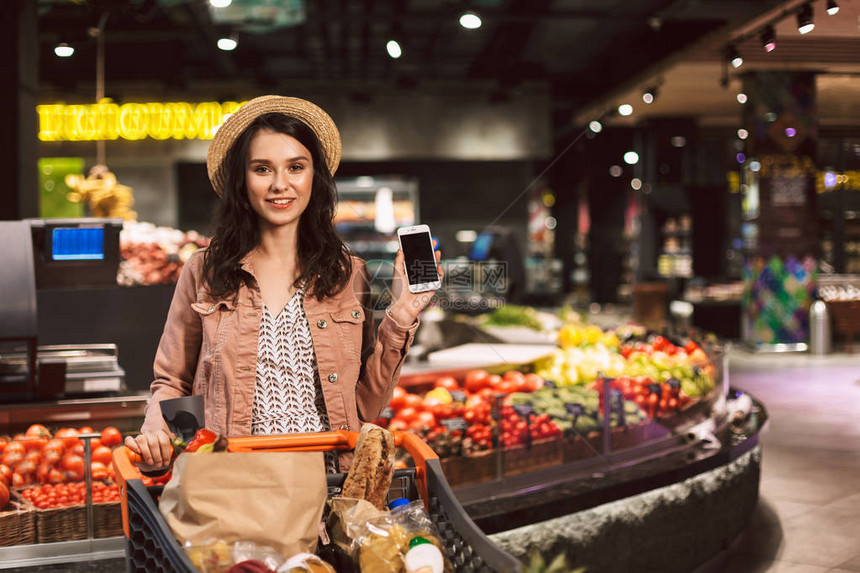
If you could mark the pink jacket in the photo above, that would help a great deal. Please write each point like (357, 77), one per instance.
(209, 347)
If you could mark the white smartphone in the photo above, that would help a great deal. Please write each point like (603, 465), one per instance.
(419, 259)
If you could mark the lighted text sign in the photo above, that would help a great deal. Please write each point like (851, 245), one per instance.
(133, 121)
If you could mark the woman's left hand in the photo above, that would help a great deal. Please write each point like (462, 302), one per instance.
(407, 305)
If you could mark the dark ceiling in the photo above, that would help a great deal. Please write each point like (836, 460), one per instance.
(581, 49)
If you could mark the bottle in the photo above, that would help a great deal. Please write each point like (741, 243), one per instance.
(423, 557)
(399, 502)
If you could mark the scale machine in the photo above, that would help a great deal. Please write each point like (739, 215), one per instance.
(54, 254)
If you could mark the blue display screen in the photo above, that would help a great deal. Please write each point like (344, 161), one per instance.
(481, 247)
(78, 244)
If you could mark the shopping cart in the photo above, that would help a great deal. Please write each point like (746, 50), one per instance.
(151, 547)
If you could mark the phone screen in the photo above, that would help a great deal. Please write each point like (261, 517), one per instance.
(419, 258)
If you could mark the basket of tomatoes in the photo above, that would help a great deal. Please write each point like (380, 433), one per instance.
(61, 513)
(45, 472)
(17, 519)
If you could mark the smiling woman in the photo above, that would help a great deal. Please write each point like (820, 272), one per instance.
(267, 323)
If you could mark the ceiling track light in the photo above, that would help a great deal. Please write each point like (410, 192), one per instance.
(804, 19)
(832, 8)
(228, 43)
(393, 48)
(768, 38)
(470, 20)
(650, 94)
(63, 50)
(734, 57)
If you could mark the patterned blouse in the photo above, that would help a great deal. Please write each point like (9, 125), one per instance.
(288, 397)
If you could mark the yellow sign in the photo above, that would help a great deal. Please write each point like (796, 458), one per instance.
(107, 120)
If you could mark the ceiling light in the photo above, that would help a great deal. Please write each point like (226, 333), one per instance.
(742, 97)
(636, 183)
(228, 44)
(734, 57)
(625, 109)
(649, 94)
(616, 171)
(64, 50)
(394, 49)
(595, 126)
(832, 8)
(768, 38)
(631, 158)
(678, 141)
(804, 19)
(470, 21)
(743, 134)
(220, 3)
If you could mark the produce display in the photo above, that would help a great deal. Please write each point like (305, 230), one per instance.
(154, 255)
(37, 457)
(50, 496)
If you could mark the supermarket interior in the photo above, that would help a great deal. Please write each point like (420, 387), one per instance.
(643, 352)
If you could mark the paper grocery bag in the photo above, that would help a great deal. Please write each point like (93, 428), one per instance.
(270, 498)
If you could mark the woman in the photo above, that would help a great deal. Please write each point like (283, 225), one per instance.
(272, 322)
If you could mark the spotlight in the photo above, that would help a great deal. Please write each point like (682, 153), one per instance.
(650, 94)
(470, 21)
(631, 158)
(742, 98)
(734, 57)
(228, 44)
(595, 126)
(220, 3)
(832, 8)
(64, 50)
(768, 38)
(625, 109)
(393, 48)
(804, 19)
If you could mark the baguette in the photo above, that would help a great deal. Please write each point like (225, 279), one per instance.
(372, 469)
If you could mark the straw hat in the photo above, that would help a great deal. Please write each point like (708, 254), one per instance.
(318, 120)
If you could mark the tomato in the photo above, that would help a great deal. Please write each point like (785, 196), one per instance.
(533, 382)
(493, 382)
(86, 430)
(112, 437)
(423, 420)
(413, 401)
(73, 463)
(475, 380)
(3, 441)
(37, 431)
(508, 386)
(398, 425)
(5, 475)
(68, 436)
(4, 495)
(102, 454)
(77, 449)
(99, 470)
(15, 447)
(449, 383)
(396, 399)
(12, 458)
(407, 414)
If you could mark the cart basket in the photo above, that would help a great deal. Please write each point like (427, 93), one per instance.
(151, 547)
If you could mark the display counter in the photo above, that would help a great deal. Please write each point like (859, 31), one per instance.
(555, 462)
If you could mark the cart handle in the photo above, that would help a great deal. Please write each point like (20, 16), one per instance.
(125, 461)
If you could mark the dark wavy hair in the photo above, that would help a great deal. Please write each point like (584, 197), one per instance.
(324, 259)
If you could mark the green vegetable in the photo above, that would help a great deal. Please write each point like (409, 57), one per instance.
(514, 315)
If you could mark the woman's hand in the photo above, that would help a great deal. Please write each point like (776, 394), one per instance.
(407, 306)
(154, 448)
